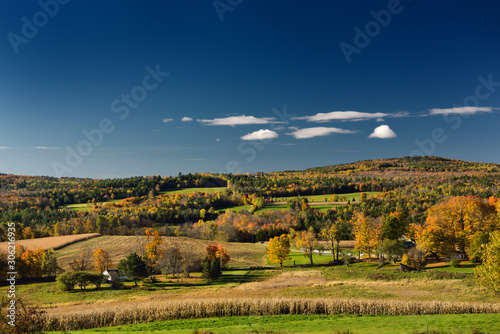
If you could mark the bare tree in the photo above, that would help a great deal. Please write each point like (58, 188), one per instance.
(173, 261)
(190, 261)
(141, 244)
(83, 261)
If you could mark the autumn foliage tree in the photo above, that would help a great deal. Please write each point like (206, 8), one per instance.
(216, 252)
(154, 249)
(488, 274)
(102, 260)
(451, 225)
(333, 235)
(216, 259)
(367, 231)
(34, 262)
(279, 249)
(307, 243)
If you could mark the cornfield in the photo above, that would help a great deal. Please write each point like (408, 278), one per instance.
(191, 309)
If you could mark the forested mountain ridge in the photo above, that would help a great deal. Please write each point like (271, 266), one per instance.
(423, 164)
(403, 190)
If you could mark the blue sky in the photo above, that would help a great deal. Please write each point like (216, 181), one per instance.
(244, 86)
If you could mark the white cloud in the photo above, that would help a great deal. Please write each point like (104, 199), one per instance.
(400, 114)
(45, 148)
(316, 132)
(4, 147)
(217, 139)
(379, 120)
(261, 134)
(238, 120)
(186, 119)
(383, 131)
(342, 116)
(460, 110)
(168, 120)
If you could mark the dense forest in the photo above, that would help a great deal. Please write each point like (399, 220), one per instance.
(411, 192)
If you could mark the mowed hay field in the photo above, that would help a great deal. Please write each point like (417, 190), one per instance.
(242, 254)
(51, 242)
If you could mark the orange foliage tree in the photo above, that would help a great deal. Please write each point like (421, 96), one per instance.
(34, 262)
(451, 225)
(216, 251)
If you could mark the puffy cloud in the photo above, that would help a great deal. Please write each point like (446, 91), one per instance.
(168, 120)
(383, 131)
(186, 119)
(238, 120)
(316, 132)
(460, 110)
(342, 116)
(261, 134)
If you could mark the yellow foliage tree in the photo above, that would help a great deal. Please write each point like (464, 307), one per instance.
(307, 243)
(102, 260)
(488, 274)
(154, 249)
(279, 249)
(367, 231)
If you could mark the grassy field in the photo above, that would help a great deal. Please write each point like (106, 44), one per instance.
(236, 208)
(449, 323)
(298, 258)
(358, 282)
(321, 198)
(191, 190)
(311, 198)
(465, 267)
(49, 296)
(51, 242)
(362, 280)
(87, 207)
(320, 207)
(352, 283)
(242, 254)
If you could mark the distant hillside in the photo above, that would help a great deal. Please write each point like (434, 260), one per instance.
(425, 164)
